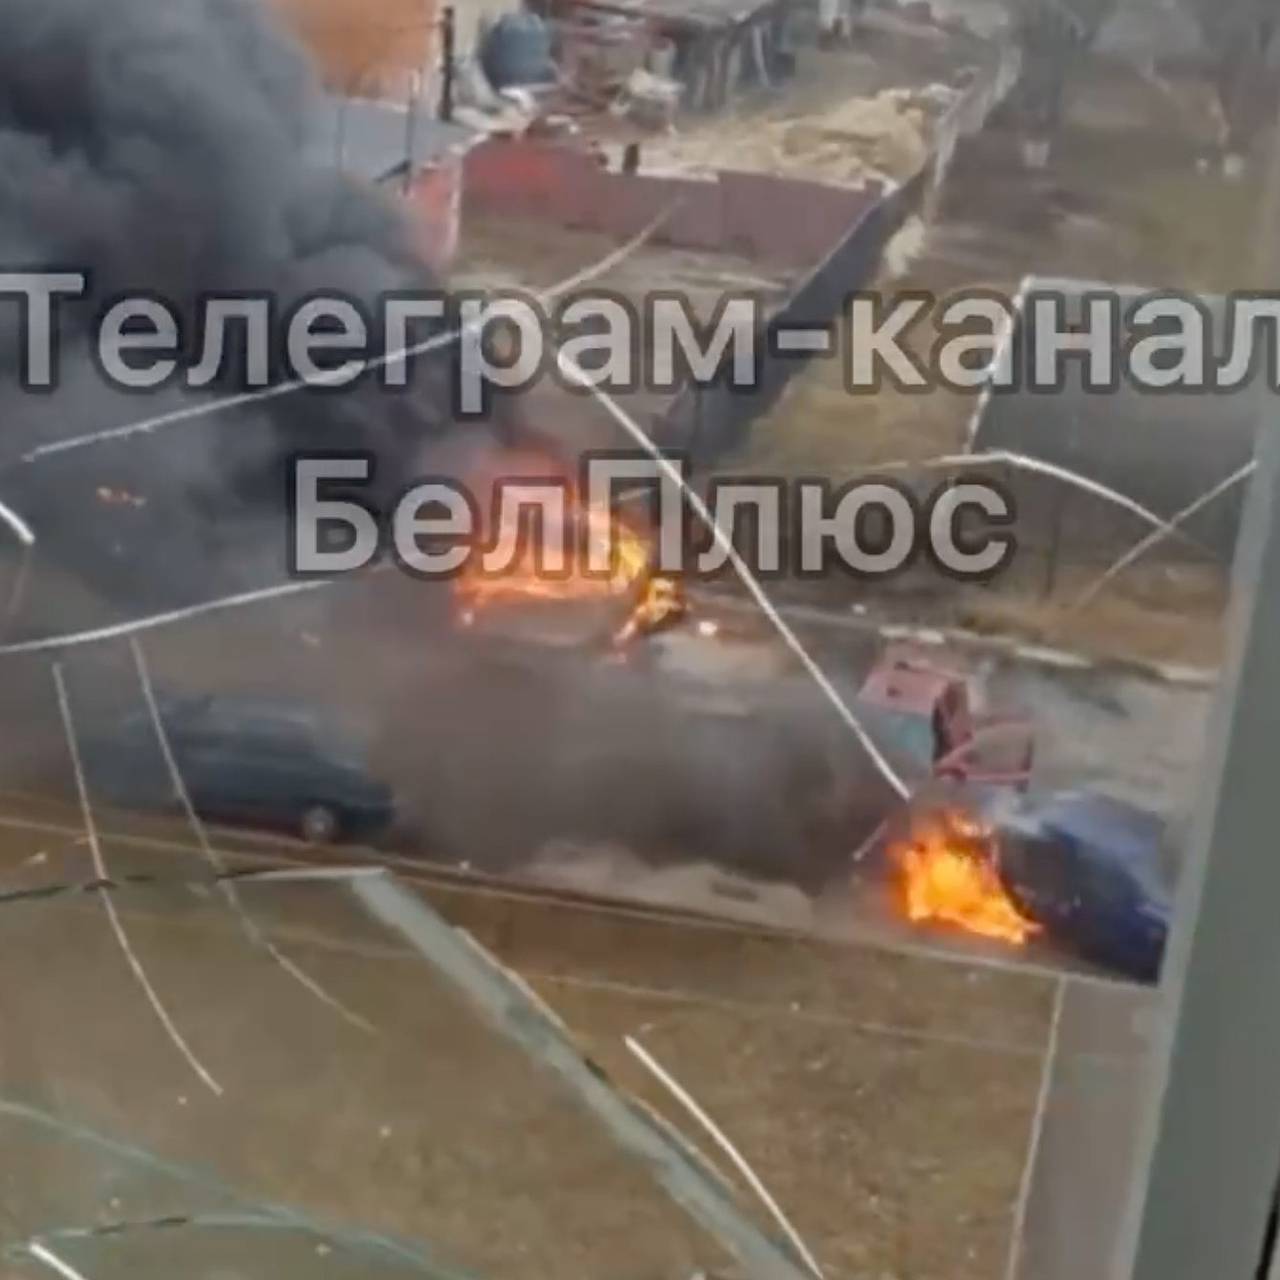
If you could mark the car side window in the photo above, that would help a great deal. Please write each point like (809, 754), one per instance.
(273, 757)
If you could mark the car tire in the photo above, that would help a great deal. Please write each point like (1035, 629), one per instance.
(319, 824)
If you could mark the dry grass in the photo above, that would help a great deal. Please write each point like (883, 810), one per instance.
(1167, 614)
(896, 1155)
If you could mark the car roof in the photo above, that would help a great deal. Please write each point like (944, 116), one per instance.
(239, 713)
(1100, 828)
(249, 716)
(907, 682)
(1130, 834)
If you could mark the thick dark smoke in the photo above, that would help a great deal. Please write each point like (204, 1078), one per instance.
(167, 148)
(163, 145)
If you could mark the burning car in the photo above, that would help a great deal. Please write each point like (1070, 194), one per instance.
(1085, 871)
(560, 567)
(946, 861)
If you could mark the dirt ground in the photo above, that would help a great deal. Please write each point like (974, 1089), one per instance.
(846, 115)
(886, 1102)
(850, 114)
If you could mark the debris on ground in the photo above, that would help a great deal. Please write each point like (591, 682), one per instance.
(885, 135)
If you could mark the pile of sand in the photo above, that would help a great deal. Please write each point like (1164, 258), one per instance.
(885, 136)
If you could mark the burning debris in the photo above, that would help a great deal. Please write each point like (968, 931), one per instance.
(948, 865)
(559, 564)
(662, 604)
(556, 564)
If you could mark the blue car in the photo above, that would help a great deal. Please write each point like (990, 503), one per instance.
(264, 763)
(1090, 869)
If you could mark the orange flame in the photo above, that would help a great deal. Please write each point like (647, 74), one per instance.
(661, 603)
(554, 569)
(562, 563)
(949, 874)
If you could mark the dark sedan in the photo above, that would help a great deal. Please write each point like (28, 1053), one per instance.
(255, 762)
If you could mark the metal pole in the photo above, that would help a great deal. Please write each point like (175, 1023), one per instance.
(417, 90)
(411, 132)
(1212, 1134)
(448, 37)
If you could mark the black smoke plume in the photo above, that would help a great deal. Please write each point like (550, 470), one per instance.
(167, 148)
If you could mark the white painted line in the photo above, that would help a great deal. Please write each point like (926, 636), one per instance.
(314, 874)
(1047, 657)
(108, 899)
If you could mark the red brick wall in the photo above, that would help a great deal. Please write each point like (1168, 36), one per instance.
(785, 222)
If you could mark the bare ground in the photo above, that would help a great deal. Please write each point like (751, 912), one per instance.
(886, 1101)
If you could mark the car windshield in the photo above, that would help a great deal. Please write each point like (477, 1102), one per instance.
(912, 734)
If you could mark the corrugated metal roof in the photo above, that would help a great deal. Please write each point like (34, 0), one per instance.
(371, 140)
(688, 13)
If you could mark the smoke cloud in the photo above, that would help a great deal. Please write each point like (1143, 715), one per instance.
(167, 148)
(163, 146)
